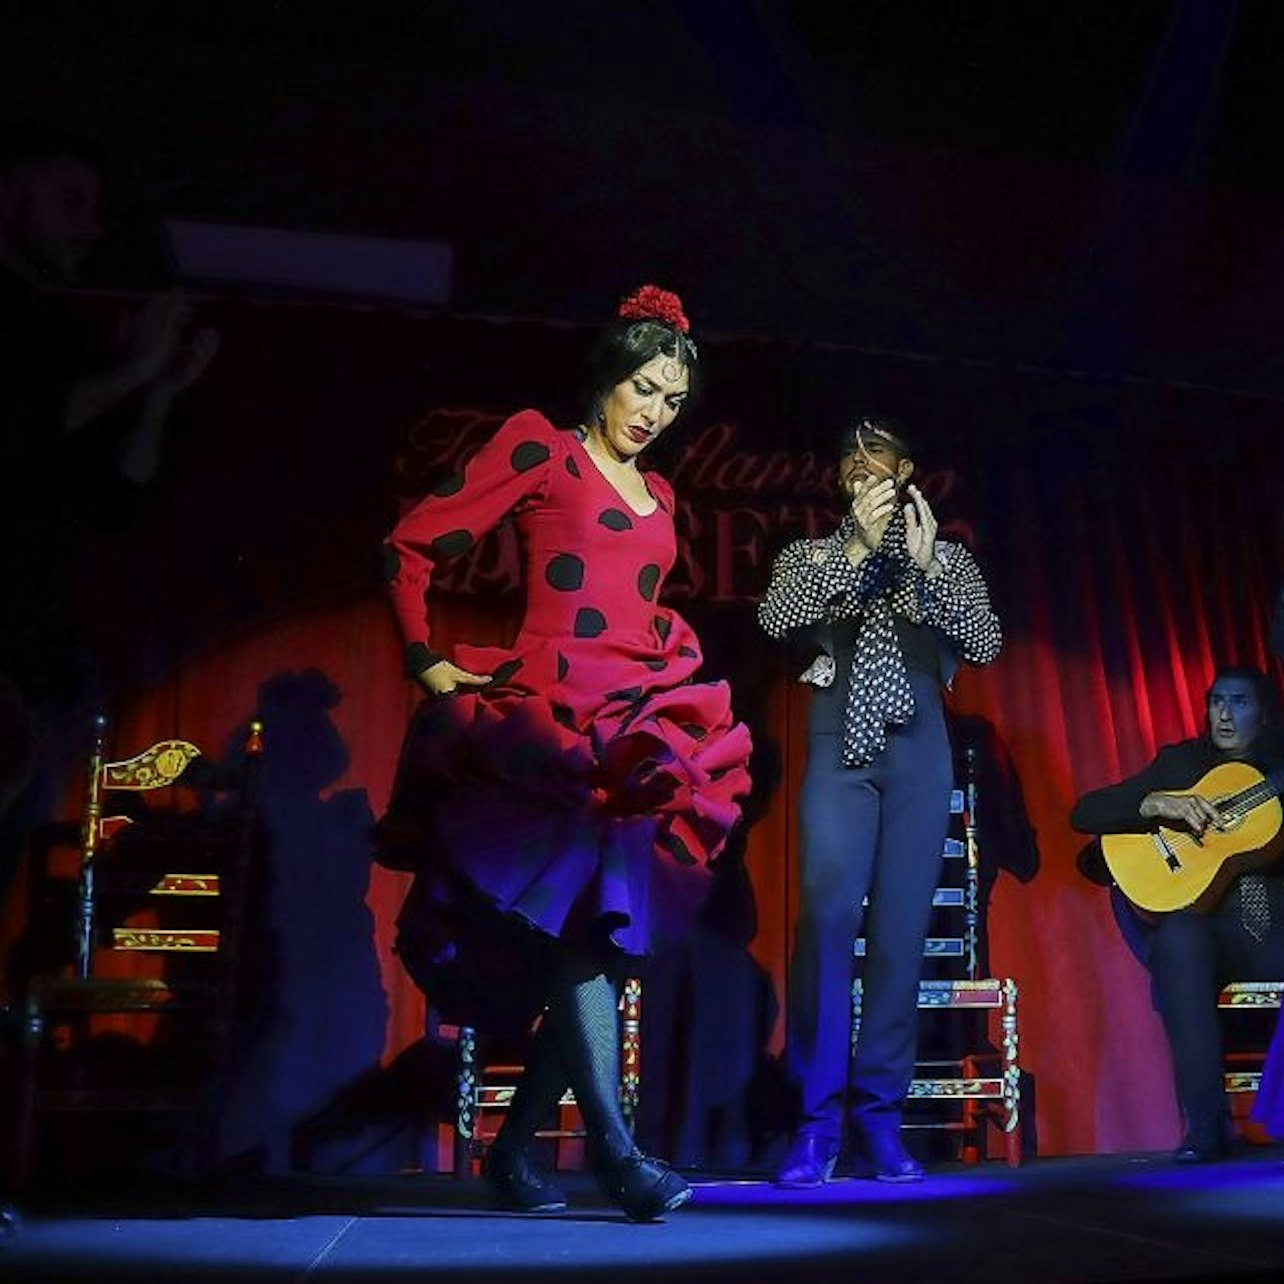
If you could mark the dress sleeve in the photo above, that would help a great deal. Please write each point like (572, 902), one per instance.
(812, 581)
(957, 602)
(662, 490)
(509, 471)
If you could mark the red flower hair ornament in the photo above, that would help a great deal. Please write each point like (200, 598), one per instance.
(651, 303)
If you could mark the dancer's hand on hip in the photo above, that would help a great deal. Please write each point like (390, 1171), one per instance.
(445, 678)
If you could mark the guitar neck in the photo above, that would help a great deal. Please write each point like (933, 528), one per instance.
(1255, 795)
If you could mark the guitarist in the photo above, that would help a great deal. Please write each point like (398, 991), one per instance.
(1190, 955)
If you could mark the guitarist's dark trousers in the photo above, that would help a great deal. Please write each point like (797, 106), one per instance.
(1191, 956)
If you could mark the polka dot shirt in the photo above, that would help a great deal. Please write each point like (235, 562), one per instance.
(812, 582)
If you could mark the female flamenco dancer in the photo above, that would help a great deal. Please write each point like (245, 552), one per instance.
(560, 799)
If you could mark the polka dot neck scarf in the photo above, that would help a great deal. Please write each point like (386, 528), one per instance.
(878, 689)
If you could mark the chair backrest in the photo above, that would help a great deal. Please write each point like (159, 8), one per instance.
(159, 766)
(961, 948)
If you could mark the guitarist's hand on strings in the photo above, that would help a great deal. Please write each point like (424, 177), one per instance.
(1189, 810)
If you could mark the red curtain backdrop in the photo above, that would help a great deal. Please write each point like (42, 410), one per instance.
(1131, 535)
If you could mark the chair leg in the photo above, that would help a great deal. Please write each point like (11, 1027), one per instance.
(568, 1152)
(32, 1043)
(1012, 1147)
(1011, 1076)
(465, 1101)
(631, 1051)
(971, 1136)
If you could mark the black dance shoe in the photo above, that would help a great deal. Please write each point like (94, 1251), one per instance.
(810, 1162)
(889, 1158)
(519, 1184)
(1202, 1148)
(644, 1188)
(1207, 1138)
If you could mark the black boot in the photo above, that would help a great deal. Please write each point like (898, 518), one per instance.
(888, 1158)
(1207, 1138)
(644, 1188)
(585, 1019)
(809, 1163)
(520, 1184)
(508, 1165)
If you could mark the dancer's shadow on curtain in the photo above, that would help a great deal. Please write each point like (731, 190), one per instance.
(1006, 840)
(313, 1010)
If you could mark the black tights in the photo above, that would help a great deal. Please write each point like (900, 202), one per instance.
(576, 1045)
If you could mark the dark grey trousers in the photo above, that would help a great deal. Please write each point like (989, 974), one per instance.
(876, 831)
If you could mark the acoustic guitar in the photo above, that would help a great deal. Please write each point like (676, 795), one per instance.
(1172, 869)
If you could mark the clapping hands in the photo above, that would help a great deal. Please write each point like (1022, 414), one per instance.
(920, 529)
(873, 503)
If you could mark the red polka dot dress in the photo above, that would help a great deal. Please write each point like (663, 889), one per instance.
(583, 792)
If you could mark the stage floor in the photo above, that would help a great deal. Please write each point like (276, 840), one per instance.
(1113, 1218)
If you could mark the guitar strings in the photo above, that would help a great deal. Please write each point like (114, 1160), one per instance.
(1236, 807)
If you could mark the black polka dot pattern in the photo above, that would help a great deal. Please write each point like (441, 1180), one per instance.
(565, 572)
(688, 653)
(504, 672)
(628, 695)
(528, 455)
(679, 850)
(452, 543)
(878, 691)
(603, 623)
(589, 622)
(614, 519)
(812, 581)
(448, 486)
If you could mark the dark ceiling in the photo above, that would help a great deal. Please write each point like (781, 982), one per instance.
(1046, 79)
(1051, 182)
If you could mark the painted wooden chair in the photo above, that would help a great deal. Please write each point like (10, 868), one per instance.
(167, 886)
(983, 1083)
(1244, 1057)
